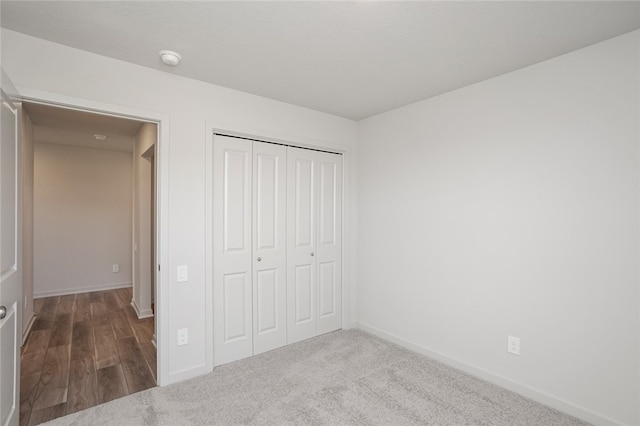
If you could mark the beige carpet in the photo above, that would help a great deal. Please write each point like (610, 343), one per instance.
(341, 378)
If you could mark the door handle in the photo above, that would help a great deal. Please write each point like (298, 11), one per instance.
(313, 254)
(259, 259)
(3, 312)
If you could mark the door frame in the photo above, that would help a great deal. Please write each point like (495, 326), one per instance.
(161, 201)
(348, 289)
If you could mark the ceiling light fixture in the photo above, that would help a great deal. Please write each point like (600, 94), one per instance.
(100, 137)
(170, 57)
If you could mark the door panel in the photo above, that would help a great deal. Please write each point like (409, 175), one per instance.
(270, 246)
(267, 301)
(303, 295)
(266, 209)
(327, 219)
(235, 307)
(327, 289)
(232, 272)
(236, 208)
(8, 214)
(304, 202)
(329, 249)
(301, 236)
(10, 262)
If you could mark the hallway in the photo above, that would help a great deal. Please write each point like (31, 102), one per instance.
(83, 350)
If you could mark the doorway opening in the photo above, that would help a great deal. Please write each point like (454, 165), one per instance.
(89, 255)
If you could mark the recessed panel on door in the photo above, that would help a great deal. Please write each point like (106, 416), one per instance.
(267, 302)
(236, 311)
(8, 193)
(327, 289)
(267, 207)
(236, 193)
(303, 295)
(327, 204)
(269, 247)
(304, 203)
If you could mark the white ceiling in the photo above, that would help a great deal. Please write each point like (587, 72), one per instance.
(70, 127)
(352, 59)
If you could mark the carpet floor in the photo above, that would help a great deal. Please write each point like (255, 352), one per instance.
(341, 378)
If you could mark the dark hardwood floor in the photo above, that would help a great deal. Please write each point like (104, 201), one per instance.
(83, 350)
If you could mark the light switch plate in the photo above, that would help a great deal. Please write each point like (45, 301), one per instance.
(183, 274)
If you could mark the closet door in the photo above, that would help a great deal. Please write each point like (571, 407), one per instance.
(314, 250)
(329, 242)
(269, 247)
(301, 244)
(232, 264)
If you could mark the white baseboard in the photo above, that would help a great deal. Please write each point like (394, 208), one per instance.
(524, 390)
(188, 373)
(26, 331)
(142, 313)
(76, 290)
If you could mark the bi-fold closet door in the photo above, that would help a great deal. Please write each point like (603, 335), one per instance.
(249, 260)
(277, 246)
(314, 243)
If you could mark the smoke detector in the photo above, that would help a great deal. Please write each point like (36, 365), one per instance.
(170, 57)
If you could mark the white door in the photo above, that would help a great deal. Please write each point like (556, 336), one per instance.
(269, 247)
(314, 243)
(232, 252)
(329, 242)
(10, 264)
(301, 244)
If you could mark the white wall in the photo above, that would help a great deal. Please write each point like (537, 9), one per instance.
(515, 202)
(142, 226)
(82, 219)
(27, 221)
(58, 71)
(510, 207)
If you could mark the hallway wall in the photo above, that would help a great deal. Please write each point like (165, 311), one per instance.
(82, 219)
(142, 226)
(27, 220)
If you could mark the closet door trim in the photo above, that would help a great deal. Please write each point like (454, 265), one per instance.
(272, 141)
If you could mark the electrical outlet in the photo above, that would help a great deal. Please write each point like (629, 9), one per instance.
(183, 336)
(513, 345)
(115, 268)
